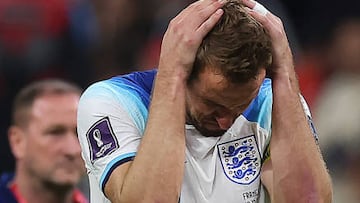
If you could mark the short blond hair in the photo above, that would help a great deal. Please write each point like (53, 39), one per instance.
(25, 98)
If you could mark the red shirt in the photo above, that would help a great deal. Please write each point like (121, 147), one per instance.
(77, 196)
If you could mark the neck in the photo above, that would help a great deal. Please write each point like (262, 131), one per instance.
(32, 189)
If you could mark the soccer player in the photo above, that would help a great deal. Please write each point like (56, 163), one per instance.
(44, 142)
(208, 125)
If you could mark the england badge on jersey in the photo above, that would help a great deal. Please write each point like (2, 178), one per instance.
(240, 159)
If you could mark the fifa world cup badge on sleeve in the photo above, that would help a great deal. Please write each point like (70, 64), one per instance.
(240, 160)
(101, 139)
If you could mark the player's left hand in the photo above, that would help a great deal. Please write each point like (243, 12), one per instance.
(282, 61)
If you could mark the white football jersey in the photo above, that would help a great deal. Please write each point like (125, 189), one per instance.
(111, 120)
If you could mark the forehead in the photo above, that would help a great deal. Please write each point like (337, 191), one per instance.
(51, 104)
(214, 87)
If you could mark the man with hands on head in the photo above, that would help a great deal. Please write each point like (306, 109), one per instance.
(208, 125)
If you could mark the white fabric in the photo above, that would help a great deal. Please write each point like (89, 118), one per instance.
(260, 8)
(205, 179)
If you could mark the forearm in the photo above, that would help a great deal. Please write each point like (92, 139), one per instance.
(156, 173)
(299, 173)
(158, 168)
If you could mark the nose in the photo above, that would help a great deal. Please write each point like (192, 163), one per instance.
(224, 122)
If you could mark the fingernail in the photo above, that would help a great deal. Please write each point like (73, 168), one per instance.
(219, 11)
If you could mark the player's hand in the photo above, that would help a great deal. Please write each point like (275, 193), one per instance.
(185, 34)
(282, 61)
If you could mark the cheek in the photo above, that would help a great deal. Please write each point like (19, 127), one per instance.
(38, 158)
(196, 107)
(40, 153)
(43, 147)
(200, 109)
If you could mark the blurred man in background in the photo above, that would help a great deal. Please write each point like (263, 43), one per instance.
(43, 140)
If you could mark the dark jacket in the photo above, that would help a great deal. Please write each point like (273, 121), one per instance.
(6, 196)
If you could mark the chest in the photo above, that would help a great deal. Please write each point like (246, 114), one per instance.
(224, 169)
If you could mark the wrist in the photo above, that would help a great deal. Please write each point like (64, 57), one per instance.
(285, 78)
(172, 72)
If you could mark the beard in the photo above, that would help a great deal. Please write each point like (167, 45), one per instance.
(200, 127)
(62, 174)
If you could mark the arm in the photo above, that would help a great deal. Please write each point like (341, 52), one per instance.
(296, 171)
(156, 173)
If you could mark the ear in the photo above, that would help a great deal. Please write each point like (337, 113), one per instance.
(17, 141)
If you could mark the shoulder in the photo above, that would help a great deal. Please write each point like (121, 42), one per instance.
(260, 108)
(135, 85)
(122, 99)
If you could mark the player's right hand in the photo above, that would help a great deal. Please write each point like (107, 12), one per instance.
(185, 34)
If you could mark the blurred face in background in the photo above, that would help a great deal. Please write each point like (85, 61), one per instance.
(48, 149)
(345, 47)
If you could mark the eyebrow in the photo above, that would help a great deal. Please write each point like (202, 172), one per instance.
(56, 128)
(208, 101)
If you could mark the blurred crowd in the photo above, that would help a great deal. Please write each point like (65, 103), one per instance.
(88, 40)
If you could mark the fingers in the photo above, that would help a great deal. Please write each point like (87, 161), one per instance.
(258, 8)
(281, 53)
(199, 11)
(209, 23)
(198, 18)
(186, 32)
(255, 6)
(271, 23)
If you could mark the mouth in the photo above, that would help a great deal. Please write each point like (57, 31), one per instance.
(209, 129)
(211, 125)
